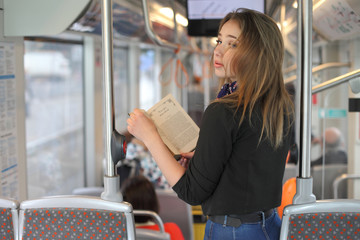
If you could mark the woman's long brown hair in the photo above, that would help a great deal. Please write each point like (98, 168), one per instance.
(257, 65)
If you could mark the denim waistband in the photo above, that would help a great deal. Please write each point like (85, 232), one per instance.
(237, 220)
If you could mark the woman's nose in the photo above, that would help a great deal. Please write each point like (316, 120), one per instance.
(218, 50)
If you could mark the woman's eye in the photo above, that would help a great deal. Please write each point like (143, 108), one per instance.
(218, 42)
(232, 44)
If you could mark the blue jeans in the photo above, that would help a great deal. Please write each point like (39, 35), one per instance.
(267, 229)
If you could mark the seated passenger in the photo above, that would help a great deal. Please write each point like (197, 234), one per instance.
(334, 149)
(141, 194)
(139, 160)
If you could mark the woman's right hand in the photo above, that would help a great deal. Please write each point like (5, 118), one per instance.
(140, 126)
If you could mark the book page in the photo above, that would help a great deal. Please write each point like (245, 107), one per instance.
(178, 131)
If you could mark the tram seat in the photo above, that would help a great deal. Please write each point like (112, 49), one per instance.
(75, 217)
(88, 191)
(331, 171)
(9, 219)
(340, 184)
(291, 171)
(324, 219)
(147, 234)
(173, 209)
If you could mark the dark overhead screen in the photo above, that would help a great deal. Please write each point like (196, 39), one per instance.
(204, 15)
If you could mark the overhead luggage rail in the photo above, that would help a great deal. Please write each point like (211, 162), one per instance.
(150, 32)
(156, 39)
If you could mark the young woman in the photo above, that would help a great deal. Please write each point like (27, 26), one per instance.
(237, 168)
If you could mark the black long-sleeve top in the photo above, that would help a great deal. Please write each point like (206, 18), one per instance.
(232, 172)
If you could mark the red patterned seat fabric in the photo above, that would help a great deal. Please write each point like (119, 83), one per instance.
(6, 224)
(337, 225)
(71, 223)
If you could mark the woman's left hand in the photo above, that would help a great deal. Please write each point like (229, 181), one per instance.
(184, 162)
(140, 126)
(185, 159)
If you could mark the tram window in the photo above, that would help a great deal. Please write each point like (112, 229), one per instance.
(167, 72)
(121, 88)
(166, 78)
(54, 117)
(148, 80)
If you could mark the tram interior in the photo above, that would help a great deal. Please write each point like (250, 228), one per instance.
(52, 127)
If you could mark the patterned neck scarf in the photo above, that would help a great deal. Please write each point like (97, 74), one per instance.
(227, 89)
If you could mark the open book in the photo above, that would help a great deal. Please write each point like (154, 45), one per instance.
(178, 131)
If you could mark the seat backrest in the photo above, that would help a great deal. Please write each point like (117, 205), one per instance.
(147, 234)
(288, 193)
(325, 219)
(88, 191)
(331, 171)
(9, 219)
(173, 209)
(75, 217)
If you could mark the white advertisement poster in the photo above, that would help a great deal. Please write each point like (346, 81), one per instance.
(335, 19)
(8, 139)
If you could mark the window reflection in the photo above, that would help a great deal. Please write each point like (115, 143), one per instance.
(54, 117)
(148, 89)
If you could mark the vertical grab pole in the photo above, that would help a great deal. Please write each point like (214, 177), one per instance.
(107, 75)
(304, 184)
(111, 181)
